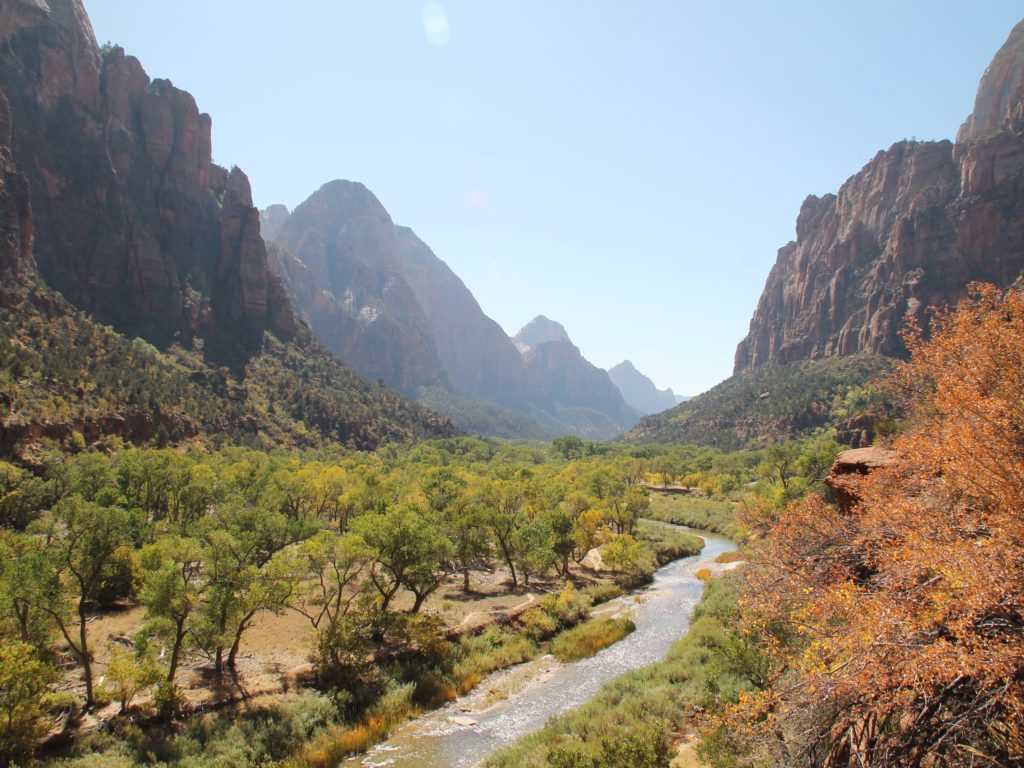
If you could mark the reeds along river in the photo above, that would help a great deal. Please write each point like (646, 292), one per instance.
(515, 702)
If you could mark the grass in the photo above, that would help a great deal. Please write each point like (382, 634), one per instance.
(587, 639)
(729, 557)
(706, 514)
(667, 544)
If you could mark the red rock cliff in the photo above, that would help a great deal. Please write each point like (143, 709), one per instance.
(909, 231)
(133, 221)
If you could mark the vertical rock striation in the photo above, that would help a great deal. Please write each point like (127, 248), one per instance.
(908, 232)
(133, 221)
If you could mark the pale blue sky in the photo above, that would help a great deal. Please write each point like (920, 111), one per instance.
(629, 169)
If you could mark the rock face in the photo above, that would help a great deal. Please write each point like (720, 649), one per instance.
(344, 275)
(639, 391)
(476, 354)
(132, 220)
(908, 232)
(852, 465)
(271, 220)
(565, 390)
(15, 204)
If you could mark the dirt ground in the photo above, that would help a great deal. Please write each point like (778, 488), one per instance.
(275, 650)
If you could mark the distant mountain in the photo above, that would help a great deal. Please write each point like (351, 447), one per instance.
(639, 391)
(538, 331)
(137, 298)
(381, 300)
(565, 389)
(908, 232)
(345, 277)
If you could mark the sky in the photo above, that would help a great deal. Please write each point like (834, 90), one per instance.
(629, 169)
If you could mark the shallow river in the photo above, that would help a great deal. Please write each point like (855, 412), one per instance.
(515, 702)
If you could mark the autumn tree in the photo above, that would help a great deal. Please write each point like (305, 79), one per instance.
(896, 629)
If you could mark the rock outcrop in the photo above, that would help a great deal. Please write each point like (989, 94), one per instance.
(639, 391)
(850, 466)
(906, 233)
(133, 222)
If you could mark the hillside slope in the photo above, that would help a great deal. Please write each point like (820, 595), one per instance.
(112, 212)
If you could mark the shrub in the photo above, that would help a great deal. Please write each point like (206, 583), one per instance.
(587, 639)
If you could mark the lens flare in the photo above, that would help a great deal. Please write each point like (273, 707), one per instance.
(435, 24)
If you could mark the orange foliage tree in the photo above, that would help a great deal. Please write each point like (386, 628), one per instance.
(897, 631)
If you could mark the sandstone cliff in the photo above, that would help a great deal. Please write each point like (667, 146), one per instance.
(906, 233)
(108, 194)
(132, 220)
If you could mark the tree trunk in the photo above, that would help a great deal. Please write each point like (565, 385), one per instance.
(179, 638)
(83, 641)
(242, 626)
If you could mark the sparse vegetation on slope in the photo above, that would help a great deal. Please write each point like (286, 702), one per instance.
(63, 373)
(773, 402)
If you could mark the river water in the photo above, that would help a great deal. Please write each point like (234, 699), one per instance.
(515, 702)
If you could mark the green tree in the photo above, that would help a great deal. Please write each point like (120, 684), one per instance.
(411, 551)
(27, 579)
(503, 504)
(25, 699)
(533, 548)
(82, 538)
(172, 588)
(568, 446)
(128, 675)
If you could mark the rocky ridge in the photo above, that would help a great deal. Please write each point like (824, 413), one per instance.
(639, 391)
(112, 213)
(908, 232)
(133, 221)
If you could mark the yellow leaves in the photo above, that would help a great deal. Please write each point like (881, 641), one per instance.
(921, 588)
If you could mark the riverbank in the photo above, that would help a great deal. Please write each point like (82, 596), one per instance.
(515, 702)
(647, 718)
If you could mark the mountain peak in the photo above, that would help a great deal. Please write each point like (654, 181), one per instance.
(538, 331)
(1000, 99)
(639, 391)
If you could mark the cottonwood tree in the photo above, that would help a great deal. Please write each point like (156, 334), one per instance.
(172, 590)
(410, 551)
(25, 699)
(81, 539)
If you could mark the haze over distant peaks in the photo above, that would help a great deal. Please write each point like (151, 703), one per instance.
(378, 297)
(639, 391)
(538, 331)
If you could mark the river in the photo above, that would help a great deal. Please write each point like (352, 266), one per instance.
(515, 702)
